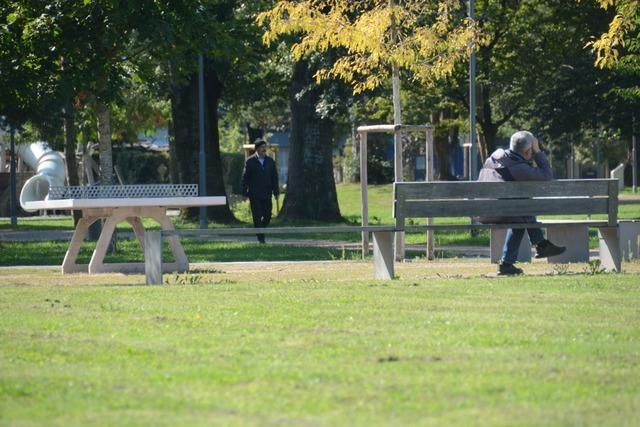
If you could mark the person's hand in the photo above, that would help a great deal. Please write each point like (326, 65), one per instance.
(535, 146)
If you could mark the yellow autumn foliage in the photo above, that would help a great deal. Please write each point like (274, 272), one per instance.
(607, 47)
(425, 39)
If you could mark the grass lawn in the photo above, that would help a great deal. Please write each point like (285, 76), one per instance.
(321, 344)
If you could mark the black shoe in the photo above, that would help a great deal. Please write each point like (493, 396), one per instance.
(546, 249)
(505, 269)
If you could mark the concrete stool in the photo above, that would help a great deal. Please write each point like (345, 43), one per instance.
(575, 238)
(629, 239)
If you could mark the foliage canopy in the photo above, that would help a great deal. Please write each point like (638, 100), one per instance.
(423, 38)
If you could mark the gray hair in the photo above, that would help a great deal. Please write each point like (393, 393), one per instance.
(521, 141)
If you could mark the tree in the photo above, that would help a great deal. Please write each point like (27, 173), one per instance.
(36, 79)
(224, 32)
(69, 52)
(430, 38)
(370, 41)
(527, 46)
(311, 190)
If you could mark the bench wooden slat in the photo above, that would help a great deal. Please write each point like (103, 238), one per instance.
(469, 226)
(498, 208)
(278, 230)
(466, 189)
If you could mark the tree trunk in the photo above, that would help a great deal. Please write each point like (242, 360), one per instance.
(488, 128)
(70, 151)
(185, 145)
(445, 138)
(104, 137)
(214, 178)
(311, 189)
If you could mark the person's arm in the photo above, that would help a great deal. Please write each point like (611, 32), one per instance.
(274, 180)
(526, 172)
(246, 177)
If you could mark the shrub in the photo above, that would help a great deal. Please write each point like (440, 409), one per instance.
(142, 167)
(232, 165)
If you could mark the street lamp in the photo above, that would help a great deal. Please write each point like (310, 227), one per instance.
(473, 155)
(634, 155)
(13, 184)
(201, 157)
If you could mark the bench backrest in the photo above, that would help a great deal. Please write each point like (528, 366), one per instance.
(497, 199)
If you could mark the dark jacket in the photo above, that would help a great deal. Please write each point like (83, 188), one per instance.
(259, 181)
(507, 165)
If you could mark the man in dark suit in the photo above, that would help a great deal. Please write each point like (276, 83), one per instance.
(259, 182)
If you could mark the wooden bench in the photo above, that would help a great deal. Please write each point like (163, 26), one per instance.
(382, 244)
(531, 198)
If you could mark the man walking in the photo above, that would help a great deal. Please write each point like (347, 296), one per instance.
(259, 182)
(516, 164)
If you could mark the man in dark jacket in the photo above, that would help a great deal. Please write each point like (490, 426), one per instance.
(516, 164)
(259, 182)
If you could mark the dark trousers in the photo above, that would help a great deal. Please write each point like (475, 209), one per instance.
(261, 212)
(514, 237)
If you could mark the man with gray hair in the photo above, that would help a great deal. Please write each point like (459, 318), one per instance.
(517, 164)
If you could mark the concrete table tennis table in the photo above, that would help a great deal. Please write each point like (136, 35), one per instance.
(118, 209)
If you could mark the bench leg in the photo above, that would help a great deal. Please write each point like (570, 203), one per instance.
(383, 256)
(181, 262)
(498, 236)
(153, 257)
(630, 239)
(609, 242)
(575, 238)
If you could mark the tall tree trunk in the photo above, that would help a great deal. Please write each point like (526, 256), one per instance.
(185, 145)
(215, 180)
(104, 137)
(488, 128)
(311, 188)
(445, 137)
(70, 151)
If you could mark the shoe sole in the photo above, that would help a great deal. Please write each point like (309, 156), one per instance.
(550, 255)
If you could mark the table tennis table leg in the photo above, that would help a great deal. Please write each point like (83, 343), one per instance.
(69, 264)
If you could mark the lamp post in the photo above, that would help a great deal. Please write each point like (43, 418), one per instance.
(634, 155)
(14, 199)
(473, 154)
(202, 185)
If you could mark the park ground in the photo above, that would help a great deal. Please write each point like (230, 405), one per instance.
(318, 341)
(322, 344)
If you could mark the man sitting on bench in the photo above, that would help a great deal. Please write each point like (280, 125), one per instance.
(516, 164)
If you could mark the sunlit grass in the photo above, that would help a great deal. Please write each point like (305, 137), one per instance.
(320, 344)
